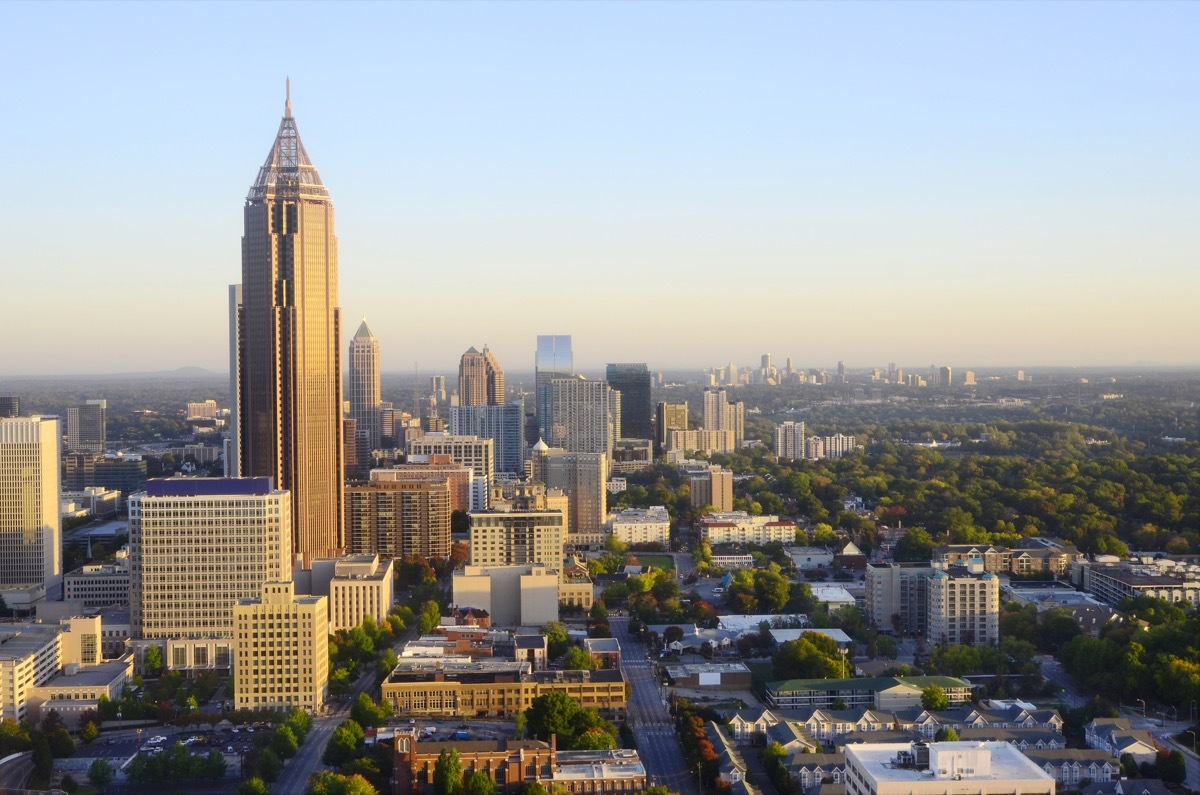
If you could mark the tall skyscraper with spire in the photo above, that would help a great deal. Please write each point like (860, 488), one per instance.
(363, 384)
(290, 375)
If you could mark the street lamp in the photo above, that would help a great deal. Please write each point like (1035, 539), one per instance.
(1189, 731)
(1143, 703)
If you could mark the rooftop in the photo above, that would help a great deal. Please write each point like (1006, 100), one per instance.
(208, 487)
(958, 761)
(100, 675)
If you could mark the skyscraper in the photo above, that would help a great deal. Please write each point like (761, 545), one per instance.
(502, 424)
(721, 415)
(480, 379)
(553, 360)
(363, 384)
(584, 416)
(30, 526)
(290, 381)
(789, 441)
(637, 413)
(87, 427)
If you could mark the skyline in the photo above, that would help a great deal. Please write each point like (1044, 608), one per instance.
(878, 162)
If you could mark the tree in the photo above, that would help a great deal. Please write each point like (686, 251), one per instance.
(61, 744)
(431, 616)
(152, 661)
(577, 659)
(253, 786)
(89, 733)
(946, 734)
(365, 712)
(213, 767)
(672, 634)
(326, 782)
(532, 788)
(552, 713)
(343, 744)
(1172, 767)
(43, 759)
(269, 765)
(915, 545)
(284, 742)
(101, 773)
(479, 783)
(934, 698)
(339, 681)
(448, 773)
(557, 639)
(519, 726)
(68, 784)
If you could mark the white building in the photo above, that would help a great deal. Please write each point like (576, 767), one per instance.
(514, 595)
(98, 584)
(362, 585)
(739, 527)
(952, 768)
(30, 522)
(789, 441)
(964, 606)
(199, 545)
(478, 454)
(642, 525)
(585, 416)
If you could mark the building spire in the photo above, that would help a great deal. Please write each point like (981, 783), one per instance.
(287, 108)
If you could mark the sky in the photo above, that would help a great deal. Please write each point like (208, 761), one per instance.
(682, 184)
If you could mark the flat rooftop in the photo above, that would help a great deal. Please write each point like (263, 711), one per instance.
(956, 761)
(100, 675)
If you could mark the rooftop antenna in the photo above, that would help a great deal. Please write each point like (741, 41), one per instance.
(288, 95)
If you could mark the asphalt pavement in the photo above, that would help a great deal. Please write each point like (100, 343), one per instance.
(649, 717)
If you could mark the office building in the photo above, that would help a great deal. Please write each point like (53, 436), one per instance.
(494, 688)
(398, 517)
(897, 597)
(510, 538)
(553, 359)
(789, 441)
(632, 381)
(632, 455)
(202, 410)
(480, 379)
(713, 486)
(232, 454)
(98, 584)
(518, 595)
(738, 527)
(503, 424)
(360, 586)
(362, 385)
(10, 406)
(281, 658)
(669, 417)
(946, 768)
(30, 522)
(584, 416)
(642, 526)
(197, 546)
(87, 427)
(945, 376)
(478, 454)
(964, 606)
(123, 473)
(290, 377)
(582, 477)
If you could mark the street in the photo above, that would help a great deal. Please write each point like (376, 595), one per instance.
(648, 716)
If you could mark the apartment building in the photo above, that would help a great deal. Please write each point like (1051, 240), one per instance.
(739, 527)
(964, 606)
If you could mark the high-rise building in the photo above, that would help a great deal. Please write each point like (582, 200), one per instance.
(964, 606)
(437, 387)
(721, 415)
(87, 427)
(838, 445)
(584, 416)
(582, 476)
(459, 477)
(668, 417)
(362, 385)
(632, 381)
(398, 518)
(290, 377)
(202, 409)
(554, 359)
(789, 441)
(504, 425)
(897, 598)
(197, 546)
(506, 538)
(30, 524)
(714, 487)
(232, 454)
(478, 454)
(10, 406)
(282, 656)
(480, 379)
(945, 376)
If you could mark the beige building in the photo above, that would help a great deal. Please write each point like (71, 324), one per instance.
(30, 522)
(582, 477)
(739, 527)
(77, 690)
(712, 487)
(361, 586)
(32, 655)
(505, 538)
(669, 417)
(199, 545)
(523, 595)
(282, 655)
(721, 415)
(396, 517)
(964, 606)
(702, 440)
(897, 597)
(585, 416)
(949, 768)
(460, 478)
(494, 688)
(642, 526)
(289, 325)
(789, 441)
(478, 454)
(480, 379)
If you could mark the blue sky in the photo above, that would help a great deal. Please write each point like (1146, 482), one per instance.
(684, 184)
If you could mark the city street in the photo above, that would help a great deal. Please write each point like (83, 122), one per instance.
(649, 717)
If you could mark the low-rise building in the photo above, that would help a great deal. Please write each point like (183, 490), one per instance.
(885, 693)
(605, 652)
(524, 595)
(719, 676)
(493, 688)
(99, 584)
(77, 690)
(739, 527)
(1117, 737)
(642, 525)
(945, 768)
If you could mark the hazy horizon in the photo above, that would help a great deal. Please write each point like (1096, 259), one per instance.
(982, 185)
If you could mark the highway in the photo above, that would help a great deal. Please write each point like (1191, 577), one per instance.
(647, 711)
